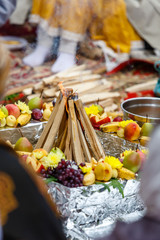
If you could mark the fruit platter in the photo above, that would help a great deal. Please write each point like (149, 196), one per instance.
(114, 123)
(20, 113)
(92, 176)
(24, 119)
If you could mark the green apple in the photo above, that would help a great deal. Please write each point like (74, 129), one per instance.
(4, 110)
(23, 145)
(147, 129)
(35, 103)
(132, 161)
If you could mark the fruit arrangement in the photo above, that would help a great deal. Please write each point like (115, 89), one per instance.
(112, 122)
(130, 130)
(98, 117)
(54, 166)
(20, 113)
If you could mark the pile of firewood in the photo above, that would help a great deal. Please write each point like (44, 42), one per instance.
(91, 87)
(69, 129)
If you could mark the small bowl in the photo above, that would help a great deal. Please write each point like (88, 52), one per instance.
(142, 109)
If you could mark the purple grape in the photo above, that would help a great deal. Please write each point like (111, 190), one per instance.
(82, 164)
(63, 162)
(60, 178)
(54, 102)
(67, 172)
(37, 114)
(50, 172)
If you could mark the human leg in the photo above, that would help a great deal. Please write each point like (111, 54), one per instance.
(42, 50)
(74, 20)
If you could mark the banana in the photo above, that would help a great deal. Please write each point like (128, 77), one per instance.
(110, 127)
(23, 119)
(144, 140)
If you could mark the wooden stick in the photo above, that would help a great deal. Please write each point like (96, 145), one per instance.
(47, 128)
(93, 97)
(77, 150)
(84, 143)
(55, 126)
(49, 92)
(33, 96)
(63, 139)
(38, 86)
(18, 89)
(143, 86)
(62, 127)
(28, 91)
(68, 150)
(91, 134)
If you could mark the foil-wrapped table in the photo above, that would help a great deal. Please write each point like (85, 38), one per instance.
(89, 212)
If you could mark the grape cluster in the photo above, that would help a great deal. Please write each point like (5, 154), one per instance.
(68, 173)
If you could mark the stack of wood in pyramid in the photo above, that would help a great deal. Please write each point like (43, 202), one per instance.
(69, 129)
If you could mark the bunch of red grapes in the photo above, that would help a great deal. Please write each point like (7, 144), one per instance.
(67, 173)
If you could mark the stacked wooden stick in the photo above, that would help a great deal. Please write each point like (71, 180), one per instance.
(90, 86)
(69, 128)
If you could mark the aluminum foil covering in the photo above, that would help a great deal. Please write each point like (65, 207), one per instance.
(32, 131)
(113, 145)
(91, 212)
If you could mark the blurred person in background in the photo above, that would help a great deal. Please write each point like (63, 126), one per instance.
(6, 9)
(26, 210)
(71, 19)
(148, 227)
(144, 15)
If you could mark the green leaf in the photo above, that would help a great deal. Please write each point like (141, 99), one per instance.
(116, 184)
(106, 186)
(51, 179)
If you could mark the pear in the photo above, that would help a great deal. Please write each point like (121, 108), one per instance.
(132, 161)
(147, 129)
(35, 102)
(23, 145)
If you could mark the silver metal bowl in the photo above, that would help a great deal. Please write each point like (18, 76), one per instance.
(142, 109)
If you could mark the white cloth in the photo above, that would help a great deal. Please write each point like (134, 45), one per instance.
(20, 14)
(144, 15)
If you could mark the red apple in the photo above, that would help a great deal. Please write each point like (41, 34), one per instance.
(13, 110)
